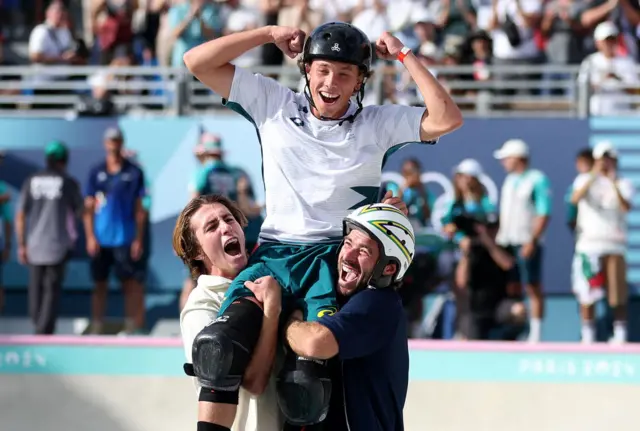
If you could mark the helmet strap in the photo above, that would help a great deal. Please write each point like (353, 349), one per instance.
(377, 279)
(351, 118)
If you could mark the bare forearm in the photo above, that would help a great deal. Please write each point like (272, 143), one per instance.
(311, 340)
(597, 14)
(624, 204)
(462, 272)
(298, 333)
(221, 51)
(20, 231)
(577, 195)
(539, 226)
(256, 377)
(501, 257)
(88, 223)
(443, 115)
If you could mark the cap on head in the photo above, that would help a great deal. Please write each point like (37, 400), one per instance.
(211, 144)
(338, 41)
(469, 167)
(512, 148)
(604, 149)
(113, 134)
(605, 30)
(56, 150)
(393, 232)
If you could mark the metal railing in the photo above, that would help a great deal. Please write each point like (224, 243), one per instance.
(539, 90)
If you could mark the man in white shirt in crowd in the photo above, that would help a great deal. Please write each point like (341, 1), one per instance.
(209, 239)
(603, 200)
(525, 208)
(609, 73)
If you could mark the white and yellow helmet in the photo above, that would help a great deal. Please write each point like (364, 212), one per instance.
(392, 231)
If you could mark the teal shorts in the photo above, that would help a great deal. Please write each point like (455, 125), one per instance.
(306, 273)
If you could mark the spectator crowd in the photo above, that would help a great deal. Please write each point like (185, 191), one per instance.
(491, 258)
(602, 36)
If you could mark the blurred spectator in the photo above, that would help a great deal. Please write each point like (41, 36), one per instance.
(5, 215)
(625, 14)
(49, 205)
(98, 103)
(192, 23)
(584, 164)
(114, 228)
(470, 200)
(164, 37)
(271, 54)
(425, 34)
(525, 208)
(610, 74)
(564, 39)
(250, 208)
(604, 200)
(415, 194)
(483, 273)
(512, 26)
(142, 265)
(215, 176)
(370, 16)
(470, 206)
(334, 10)
(237, 18)
(457, 18)
(479, 54)
(52, 42)
(563, 30)
(7, 78)
(112, 22)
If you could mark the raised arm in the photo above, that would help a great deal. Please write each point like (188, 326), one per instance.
(442, 115)
(210, 62)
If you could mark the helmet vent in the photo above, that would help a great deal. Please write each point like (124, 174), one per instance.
(326, 36)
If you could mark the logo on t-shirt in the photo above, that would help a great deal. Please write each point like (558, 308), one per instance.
(49, 188)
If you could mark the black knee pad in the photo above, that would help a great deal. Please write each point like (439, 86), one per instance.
(222, 350)
(304, 390)
(208, 426)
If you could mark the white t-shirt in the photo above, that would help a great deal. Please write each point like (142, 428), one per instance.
(501, 47)
(317, 171)
(602, 224)
(609, 93)
(49, 41)
(200, 310)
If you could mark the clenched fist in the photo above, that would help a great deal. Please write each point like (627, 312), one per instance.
(290, 40)
(388, 46)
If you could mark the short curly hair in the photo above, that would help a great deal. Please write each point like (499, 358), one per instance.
(185, 243)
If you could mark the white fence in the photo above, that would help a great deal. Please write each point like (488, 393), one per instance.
(539, 90)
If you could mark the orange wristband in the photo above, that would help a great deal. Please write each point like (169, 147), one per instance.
(403, 53)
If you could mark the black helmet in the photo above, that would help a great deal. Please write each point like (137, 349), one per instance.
(338, 41)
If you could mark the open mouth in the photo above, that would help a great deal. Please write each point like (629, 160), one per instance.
(232, 247)
(348, 273)
(329, 98)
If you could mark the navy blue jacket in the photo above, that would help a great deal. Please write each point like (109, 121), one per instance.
(371, 330)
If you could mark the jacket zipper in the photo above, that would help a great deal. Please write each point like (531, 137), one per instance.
(344, 397)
